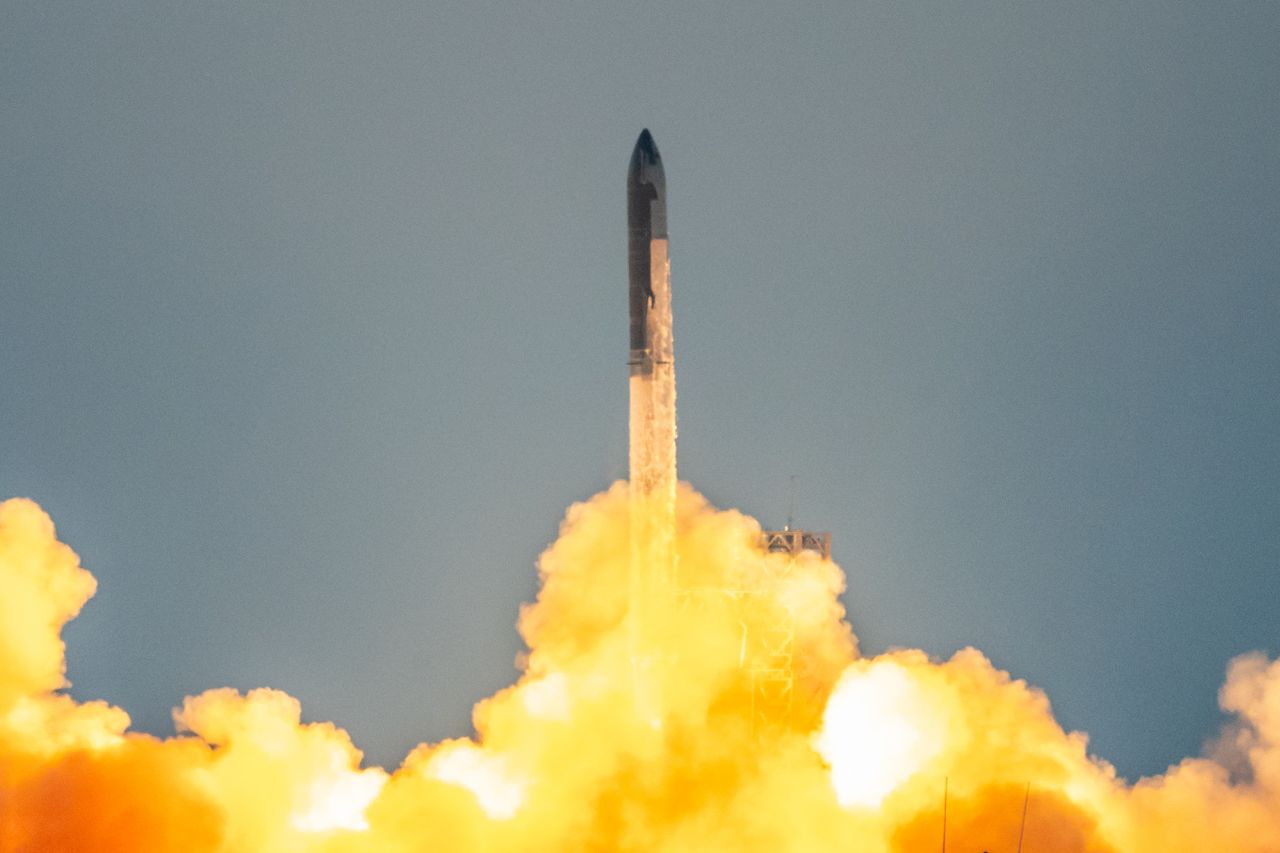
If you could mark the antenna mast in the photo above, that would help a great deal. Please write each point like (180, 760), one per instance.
(945, 781)
(791, 505)
(1022, 826)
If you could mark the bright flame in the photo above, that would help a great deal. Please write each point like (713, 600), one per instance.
(878, 730)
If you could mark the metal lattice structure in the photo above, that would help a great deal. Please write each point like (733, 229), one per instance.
(767, 643)
(768, 655)
(790, 541)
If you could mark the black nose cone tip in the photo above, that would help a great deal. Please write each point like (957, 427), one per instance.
(645, 153)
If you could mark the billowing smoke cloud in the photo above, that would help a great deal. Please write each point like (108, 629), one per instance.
(854, 757)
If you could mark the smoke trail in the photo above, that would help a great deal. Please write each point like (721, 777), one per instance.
(563, 760)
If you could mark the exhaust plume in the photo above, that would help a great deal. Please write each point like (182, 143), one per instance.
(564, 759)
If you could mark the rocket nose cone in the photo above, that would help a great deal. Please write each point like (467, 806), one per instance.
(645, 153)
(646, 146)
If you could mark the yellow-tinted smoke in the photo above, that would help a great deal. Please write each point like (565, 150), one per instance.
(854, 757)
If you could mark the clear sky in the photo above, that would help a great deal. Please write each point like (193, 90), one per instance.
(313, 322)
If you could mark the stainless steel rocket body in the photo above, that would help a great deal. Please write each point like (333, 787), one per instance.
(652, 358)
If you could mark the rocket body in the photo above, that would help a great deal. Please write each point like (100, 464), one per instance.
(652, 359)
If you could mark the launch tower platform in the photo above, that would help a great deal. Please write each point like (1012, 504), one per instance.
(769, 656)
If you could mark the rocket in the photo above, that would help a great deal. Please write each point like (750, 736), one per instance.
(652, 380)
(652, 360)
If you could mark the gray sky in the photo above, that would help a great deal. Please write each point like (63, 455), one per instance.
(313, 321)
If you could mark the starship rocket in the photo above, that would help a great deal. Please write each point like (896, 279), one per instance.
(652, 382)
(652, 360)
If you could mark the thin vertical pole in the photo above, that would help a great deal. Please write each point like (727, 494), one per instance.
(791, 506)
(945, 782)
(1025, 798)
